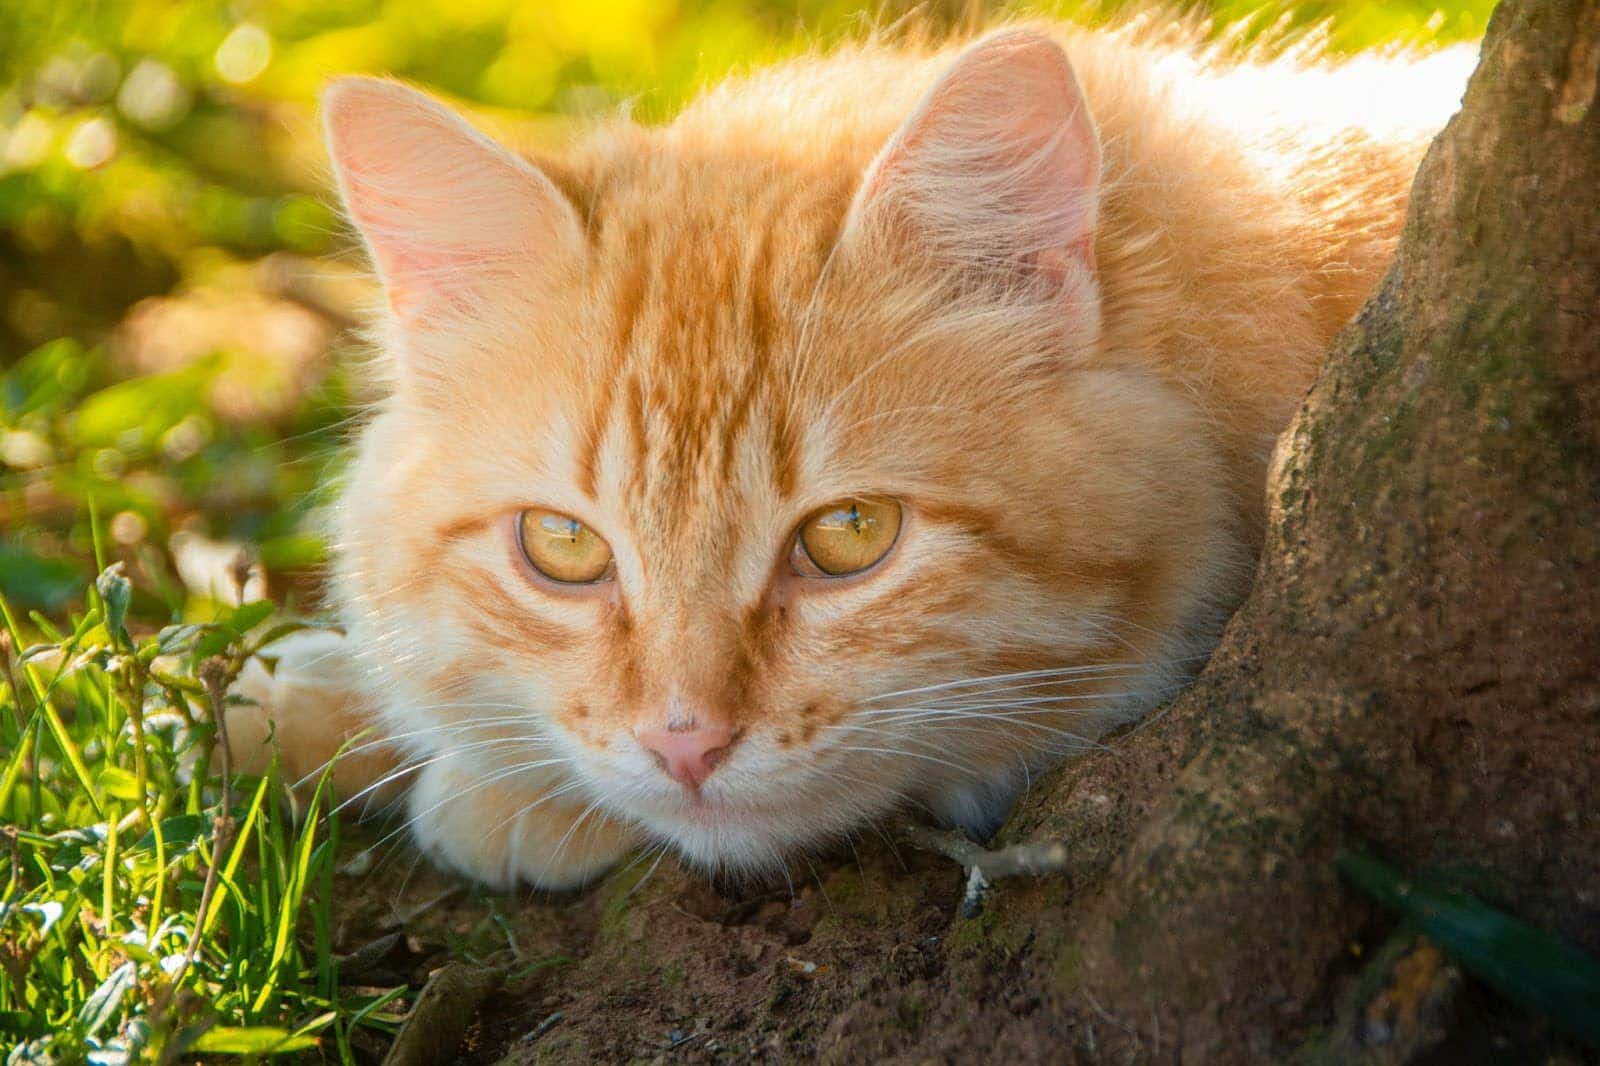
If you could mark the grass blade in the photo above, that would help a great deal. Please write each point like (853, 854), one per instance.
(1522, 962)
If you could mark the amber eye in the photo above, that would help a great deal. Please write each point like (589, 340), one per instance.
(562, 548)
(847, 536)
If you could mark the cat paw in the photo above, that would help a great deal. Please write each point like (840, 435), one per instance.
(508, 833)
(978, 810)
(307, 708)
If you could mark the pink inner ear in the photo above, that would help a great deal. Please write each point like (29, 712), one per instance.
(444, 210)
(424, 269)
(400, 264)
(1000, 163)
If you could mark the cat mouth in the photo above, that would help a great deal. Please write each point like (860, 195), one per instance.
(694, 807)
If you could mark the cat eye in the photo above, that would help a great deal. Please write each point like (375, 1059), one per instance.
(847, 536)
(562, 548)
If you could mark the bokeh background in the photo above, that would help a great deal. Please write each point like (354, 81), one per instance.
(177, 293)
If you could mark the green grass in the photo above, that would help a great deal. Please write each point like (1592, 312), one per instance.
(148, 909)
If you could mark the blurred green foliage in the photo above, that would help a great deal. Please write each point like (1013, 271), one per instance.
(175, 287)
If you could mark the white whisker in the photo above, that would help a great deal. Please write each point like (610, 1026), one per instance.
(520, 768)
(900, 753)
(413, 767)
(1024, 675)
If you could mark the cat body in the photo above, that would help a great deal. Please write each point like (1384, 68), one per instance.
(1011, 325)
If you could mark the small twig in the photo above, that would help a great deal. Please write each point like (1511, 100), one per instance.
(1017, 860)
(539, 1030)
(214, 673)
(677, 1039)
(399, 919)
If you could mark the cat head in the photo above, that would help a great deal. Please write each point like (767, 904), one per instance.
(758, 487)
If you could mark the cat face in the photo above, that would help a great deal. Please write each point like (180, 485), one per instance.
(748, 496)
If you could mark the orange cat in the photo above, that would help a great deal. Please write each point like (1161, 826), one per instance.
(888, 425)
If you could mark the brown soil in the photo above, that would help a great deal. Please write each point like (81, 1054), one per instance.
(865, 960)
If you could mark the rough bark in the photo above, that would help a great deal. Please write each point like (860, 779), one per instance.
(1416, 674)
(1417, 671)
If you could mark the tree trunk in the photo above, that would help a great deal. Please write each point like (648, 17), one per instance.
(1416, 675)
(1417, 671)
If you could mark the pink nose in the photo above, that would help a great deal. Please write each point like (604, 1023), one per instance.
(688, 756)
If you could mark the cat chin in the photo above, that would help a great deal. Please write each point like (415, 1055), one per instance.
(724, 839)
(720, 838)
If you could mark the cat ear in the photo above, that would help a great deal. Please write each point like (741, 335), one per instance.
(444, 210)
(998, 169)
